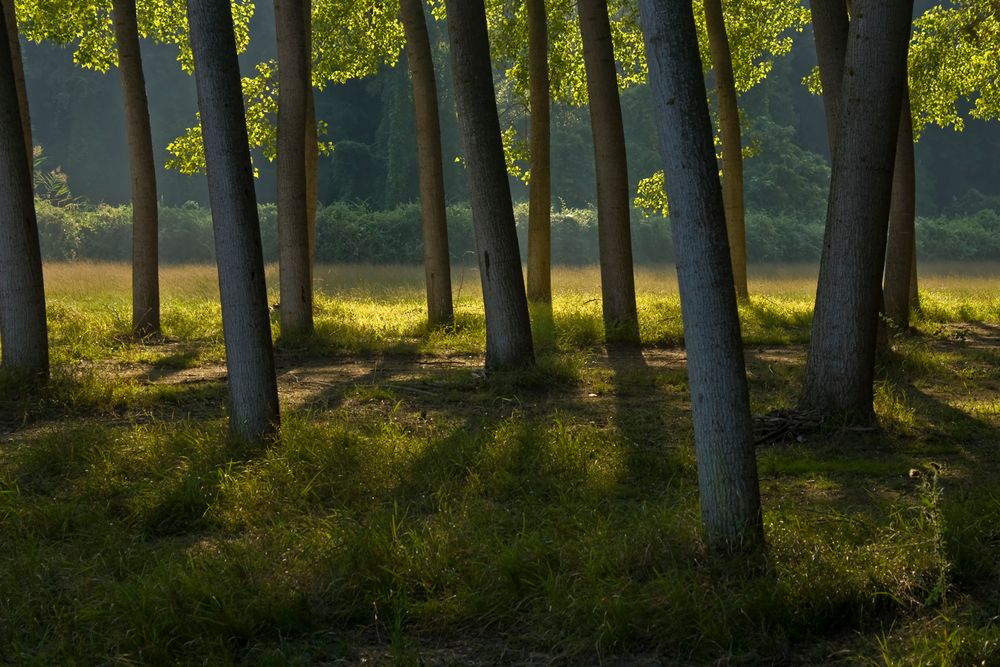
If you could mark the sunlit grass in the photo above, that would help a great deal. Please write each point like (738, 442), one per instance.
(551, 512)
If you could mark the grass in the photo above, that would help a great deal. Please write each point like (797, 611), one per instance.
(414, 512)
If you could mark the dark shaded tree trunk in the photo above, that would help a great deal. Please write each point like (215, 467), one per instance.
(840, 365)
(508, 330)
(433, 210)
(902, 232)
(914, 292)
(732, 144)
(621, 322)
(293, 222)
(830, 26)
(720, 407)
(18, 64)
(253, 391)
(23, 328)
(540, 195)
(142, 170)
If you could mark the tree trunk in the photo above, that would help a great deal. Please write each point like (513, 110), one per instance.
(899, 257)
(914, 292)
(732, 144)
(508, 330)
(142, 169)
(253, 391)
(540, 195)
(830, 26)
(23, 329)
(293, 223)
(312, 144)
(720, 407)
(433, 212)
(18, 64)
(621, 322)
(840, 365)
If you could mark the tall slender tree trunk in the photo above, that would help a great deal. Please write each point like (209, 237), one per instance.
(840, 365)
(253, 390)
(23, 330)
(18, 64)
(720, 407)
(312, 144)
(830, 27)
(899, 262)
(293, 223)
(914, 292)
(732, 144)
(621, 321)
(508, 330)
(142, 170)
(540, 195)
(433, 210)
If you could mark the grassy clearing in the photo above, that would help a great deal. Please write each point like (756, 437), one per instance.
(414, 512)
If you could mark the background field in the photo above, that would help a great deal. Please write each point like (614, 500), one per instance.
(414, 511)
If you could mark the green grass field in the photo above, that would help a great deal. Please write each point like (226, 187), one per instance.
(414, 511)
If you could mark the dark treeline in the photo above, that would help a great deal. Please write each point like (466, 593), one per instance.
(78, 120)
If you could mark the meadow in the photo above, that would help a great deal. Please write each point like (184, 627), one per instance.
(415, 511)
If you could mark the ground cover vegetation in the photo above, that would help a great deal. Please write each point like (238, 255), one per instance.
(414, 511)
(711, 461)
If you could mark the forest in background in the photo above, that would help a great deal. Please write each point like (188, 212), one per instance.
(371, 175)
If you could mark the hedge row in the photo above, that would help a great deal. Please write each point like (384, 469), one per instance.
(353, 233)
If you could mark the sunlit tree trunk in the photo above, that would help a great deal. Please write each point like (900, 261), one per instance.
(293, 223)
(621, 321)
(312, 144)
(508, 331)
(253, 391)
(433, 211)
(23, 331)
(142, 170)
(720, 408)
(540, 196)
(18, 64)
(902, 233)
(732, 143)
(840, 365)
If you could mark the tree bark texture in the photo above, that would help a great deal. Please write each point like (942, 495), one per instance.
(732, 144)
(914, 292)
(621, 321)
(720, 408)
(23, 330)
(540, 195)
(508, 330)
(142, 171)
(840, 365)
(433, 210)
(253, 390)
(830, 26)
(899, 262)
(14, 43)
(295, 276)
(312, 144)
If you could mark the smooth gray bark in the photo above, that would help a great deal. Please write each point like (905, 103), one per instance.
(540, 187)
(253, 390)
(433, 210)
(732, 143)
(23, 329)
(830, 27)
(720, 408)
(312, 145)
(508, 330)
(899, 262)
(621, 321)
(14, 43)
(142, 170)
(295, 276)
(840, 365)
